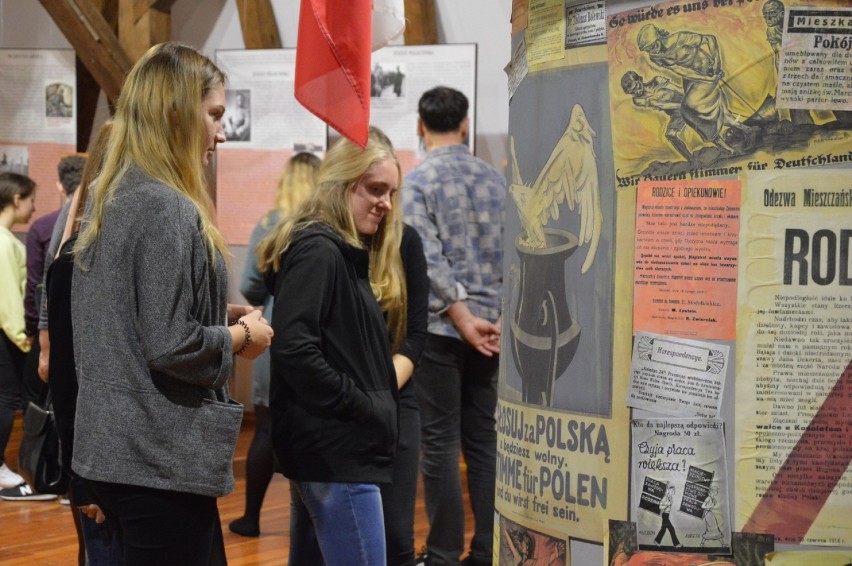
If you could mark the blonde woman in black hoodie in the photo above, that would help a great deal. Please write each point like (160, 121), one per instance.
(333, 398)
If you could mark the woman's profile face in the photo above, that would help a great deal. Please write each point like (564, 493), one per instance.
(212, 110)
(370, 200)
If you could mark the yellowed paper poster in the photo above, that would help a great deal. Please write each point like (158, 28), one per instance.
(815, 68)
(545, 33)
(794, 358)
(693, 89)
(563, 426)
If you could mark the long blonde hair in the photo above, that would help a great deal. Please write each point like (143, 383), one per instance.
(158, 127)
(298, 179)
(339, 173)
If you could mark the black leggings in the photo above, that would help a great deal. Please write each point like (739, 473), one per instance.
(398, 498)
(11, 374)
(162, 527)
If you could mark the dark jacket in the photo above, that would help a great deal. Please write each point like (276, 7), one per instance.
(333, 388)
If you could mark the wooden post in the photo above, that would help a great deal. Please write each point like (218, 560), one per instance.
(257, 20)
(420, 26)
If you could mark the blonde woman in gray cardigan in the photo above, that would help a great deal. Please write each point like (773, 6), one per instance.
(155, 429)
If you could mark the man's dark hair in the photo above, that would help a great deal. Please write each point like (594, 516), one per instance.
(70, 171)
(442, 109)
(12, 184)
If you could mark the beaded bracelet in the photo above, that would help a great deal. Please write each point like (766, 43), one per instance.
(242, 323)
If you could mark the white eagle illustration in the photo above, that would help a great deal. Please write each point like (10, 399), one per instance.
(571, 174)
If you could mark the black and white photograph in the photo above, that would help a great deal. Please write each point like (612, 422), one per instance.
(237, 122)
(387, 80)
(59, 100)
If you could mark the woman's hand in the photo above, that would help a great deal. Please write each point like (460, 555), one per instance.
(252, 339)
(93, 512)
(43, 355)
(237, 311)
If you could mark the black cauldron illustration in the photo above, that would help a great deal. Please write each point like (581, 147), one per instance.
(544, 336)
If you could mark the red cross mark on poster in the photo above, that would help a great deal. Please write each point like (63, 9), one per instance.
(820, 458)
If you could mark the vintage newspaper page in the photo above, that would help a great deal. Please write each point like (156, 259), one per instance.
(686, 258)
(585, 24)
(794, 358)
(814, 69)
(545, 33)
(680, 485)
(693, 90)
(677, 377)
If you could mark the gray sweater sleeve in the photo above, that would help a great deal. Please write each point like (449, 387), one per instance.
(180, 336)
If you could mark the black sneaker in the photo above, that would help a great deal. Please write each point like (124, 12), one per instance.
(422, 559)
(24, 492)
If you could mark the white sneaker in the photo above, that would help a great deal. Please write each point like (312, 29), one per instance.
(8, 478)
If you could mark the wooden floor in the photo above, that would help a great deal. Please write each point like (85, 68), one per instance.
(42, 532)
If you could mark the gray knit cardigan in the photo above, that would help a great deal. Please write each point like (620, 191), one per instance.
(152, 351)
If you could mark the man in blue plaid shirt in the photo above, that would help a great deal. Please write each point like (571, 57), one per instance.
(456, 202)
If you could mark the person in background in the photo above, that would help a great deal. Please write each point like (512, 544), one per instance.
(17, 205)
(154, 337)
(98, 546)
(400, 495)
(297, 180)
(455, 201)
(56, 237)
(39, 235)
(334, 267)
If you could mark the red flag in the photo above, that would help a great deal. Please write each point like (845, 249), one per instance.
(333, 64)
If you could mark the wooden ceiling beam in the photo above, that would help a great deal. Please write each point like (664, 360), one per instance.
(143, 24)
(94, 40)
(257, 20)
(141, 7)
(421, 27)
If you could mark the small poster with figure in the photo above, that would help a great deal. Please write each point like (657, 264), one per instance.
(680, 490)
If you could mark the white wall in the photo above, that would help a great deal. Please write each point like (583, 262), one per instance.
(215, 25)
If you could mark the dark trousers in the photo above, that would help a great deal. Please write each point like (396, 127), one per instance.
(457, 391)
(398, 498)
(666, 526)
(12, 361)
(162, 527)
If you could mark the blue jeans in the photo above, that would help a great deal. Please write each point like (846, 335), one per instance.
(336, 524)
(457, 390)
(102, 545)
